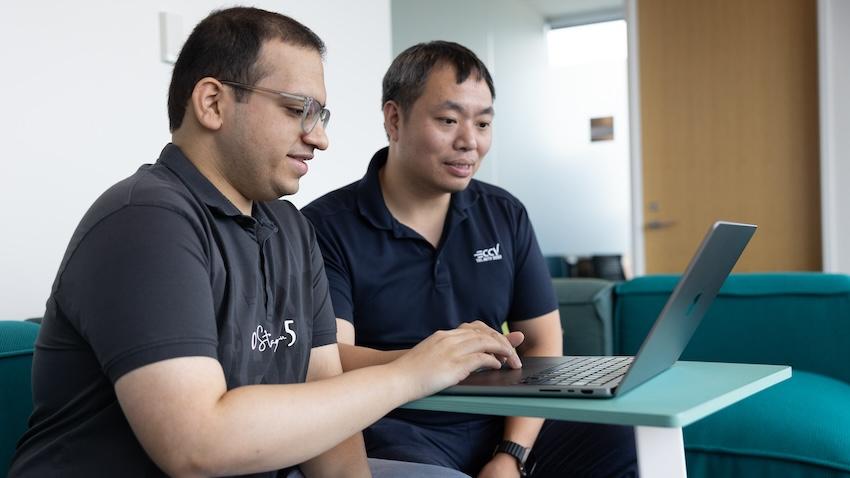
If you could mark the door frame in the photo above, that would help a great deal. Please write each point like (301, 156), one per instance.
(638, 253)
(831, 43)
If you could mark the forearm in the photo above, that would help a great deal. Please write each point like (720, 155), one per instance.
(542, 338)
(354, 357)
(265, 427)
(522, 430)
(287, 435)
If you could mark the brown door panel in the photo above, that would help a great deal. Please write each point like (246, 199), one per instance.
(729, 117)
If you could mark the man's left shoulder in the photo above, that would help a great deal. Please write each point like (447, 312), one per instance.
(489, 193)
(339, 202)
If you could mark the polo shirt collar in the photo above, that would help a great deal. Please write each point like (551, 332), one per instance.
(172, 157)
(370, 198)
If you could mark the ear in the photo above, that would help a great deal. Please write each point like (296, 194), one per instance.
(206, 103)
(392, 119)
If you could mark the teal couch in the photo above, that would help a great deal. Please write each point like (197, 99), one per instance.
(16, 343)
(798, 428)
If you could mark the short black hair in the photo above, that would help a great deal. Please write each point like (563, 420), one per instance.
(405, 79)
(226, 45)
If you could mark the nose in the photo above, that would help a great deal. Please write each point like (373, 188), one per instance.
(466, 139)
(317, 137)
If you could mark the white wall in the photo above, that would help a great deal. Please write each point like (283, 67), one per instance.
(834, 47)
(416, 21)
(592, 177)
(84, 95)
(577, 193)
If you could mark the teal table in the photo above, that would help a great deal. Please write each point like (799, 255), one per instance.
(658, 409)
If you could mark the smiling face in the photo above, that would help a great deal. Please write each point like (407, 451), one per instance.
(442, 138)
(263, 149)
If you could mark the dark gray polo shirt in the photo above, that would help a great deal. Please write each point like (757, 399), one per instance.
(164, 266)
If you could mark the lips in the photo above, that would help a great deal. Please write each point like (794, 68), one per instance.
(461, 169)
(300, 162)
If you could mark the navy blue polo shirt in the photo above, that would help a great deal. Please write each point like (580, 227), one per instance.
(164, 266)
(397, 289)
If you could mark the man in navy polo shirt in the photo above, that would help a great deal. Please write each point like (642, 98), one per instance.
(417, 245)
(191, 306)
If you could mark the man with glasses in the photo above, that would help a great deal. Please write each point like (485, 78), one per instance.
(189, 331)
(417, 245)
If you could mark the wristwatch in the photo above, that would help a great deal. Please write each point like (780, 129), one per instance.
(520, 453)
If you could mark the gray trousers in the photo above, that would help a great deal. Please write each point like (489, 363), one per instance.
(391, 469)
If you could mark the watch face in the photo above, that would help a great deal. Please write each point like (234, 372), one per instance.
(528, 468)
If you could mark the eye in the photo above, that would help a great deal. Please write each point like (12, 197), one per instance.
(446, 120)
(483, 124)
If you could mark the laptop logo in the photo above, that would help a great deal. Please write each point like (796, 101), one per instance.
(489, 254)
(693, 304)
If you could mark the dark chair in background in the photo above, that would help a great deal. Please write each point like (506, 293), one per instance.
(558, 266)
(601, 266)
(608, 267)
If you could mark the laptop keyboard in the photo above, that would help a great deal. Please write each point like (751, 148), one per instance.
(582, 372)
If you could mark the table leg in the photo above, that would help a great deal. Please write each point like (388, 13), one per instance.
(660, 452)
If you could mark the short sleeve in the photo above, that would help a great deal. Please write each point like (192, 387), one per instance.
(533, 294)
(324, 320)
(337, 272)
(138, 290)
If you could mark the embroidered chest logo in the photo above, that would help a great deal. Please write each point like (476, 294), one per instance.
(262, 340)
(487, 255)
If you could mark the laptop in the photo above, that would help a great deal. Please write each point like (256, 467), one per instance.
(604, 377)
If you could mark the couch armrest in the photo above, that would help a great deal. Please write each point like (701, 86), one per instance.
(797, 319)
(586, 312)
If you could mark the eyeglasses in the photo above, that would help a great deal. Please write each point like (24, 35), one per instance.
(311, 111)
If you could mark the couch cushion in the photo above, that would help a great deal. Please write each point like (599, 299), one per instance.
(586, 310)
(796, 428)
(17, 337)
(16, 345)
(797, 319)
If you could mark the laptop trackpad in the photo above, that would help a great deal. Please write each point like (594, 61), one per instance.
(509, 376)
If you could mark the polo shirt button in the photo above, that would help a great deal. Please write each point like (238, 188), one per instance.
(438, 262)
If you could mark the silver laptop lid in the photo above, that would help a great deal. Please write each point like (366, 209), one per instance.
(689, 302)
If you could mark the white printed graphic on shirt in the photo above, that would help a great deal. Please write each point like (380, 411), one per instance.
(487, 255)
(261, 338)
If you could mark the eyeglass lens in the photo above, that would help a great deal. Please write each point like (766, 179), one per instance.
(313, 113)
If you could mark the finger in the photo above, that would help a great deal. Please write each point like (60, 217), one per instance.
(484, 328)
(512, 340)
(483, 361)
(512, 360)
(515, 338)
(498, 346)
(475, 325)
(475, 335)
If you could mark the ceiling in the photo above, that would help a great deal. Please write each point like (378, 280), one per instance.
(554, 9)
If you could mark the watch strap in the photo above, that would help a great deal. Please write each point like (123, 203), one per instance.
(519, 452)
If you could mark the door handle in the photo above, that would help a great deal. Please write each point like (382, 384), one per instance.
(655, 225)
